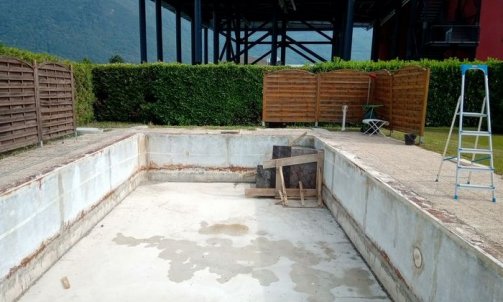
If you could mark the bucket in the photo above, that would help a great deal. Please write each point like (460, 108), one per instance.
(410, 138)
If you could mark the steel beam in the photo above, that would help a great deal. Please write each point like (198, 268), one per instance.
(205, 34)
(143, 31)
(301, 54)
(158, 30)
(197, 21)
(274, 39)
(316, 30)
(216, 35)
(283, 40)
(245, 42)
(261, 57)
(178, 34)
(348, 30)
(309, 51)
(228, 40)
(237, 30)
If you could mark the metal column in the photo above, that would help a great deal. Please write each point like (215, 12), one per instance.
(216, 35)
(158, 29)
(246, 38)
(348, 30)
(143, 31)
(205, 34)
(198, 45)
(237, 57)
(283, 41)
(274, 39)
(178, 21)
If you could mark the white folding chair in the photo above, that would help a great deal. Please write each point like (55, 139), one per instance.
(375, 126)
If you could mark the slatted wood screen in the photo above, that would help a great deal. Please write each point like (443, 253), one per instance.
(383, 95)
(56, 100)
(36, 103)
(343, 87)
(410, 95)
(18, 107)
(289, 96)
(300, 96)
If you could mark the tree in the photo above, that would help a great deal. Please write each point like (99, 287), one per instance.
(116, 59)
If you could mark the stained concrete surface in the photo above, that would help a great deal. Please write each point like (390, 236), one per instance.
(473, 216)
(206, 242)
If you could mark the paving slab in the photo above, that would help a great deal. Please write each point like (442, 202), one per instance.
(206, 242)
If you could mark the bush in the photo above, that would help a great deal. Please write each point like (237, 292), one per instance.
(175, 94)
(84, 94)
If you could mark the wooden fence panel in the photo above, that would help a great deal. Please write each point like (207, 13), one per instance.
(383, 95)
(289, 96)
(55, 82)
(343, 87)
(18, 106)
(410, 95)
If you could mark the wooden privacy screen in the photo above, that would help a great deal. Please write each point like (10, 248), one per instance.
(18, 105)
(342, 87)
(55, 84)
(300, 96)
(36, 103)
(290, 96)
(410, 95)
(383, 94)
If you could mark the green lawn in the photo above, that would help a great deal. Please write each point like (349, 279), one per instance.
(435, 138)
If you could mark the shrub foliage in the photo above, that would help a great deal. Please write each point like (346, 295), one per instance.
(174, 94)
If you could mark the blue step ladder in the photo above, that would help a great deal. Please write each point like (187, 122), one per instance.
(473, 165)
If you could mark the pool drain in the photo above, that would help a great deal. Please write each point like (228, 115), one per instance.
(417, 257)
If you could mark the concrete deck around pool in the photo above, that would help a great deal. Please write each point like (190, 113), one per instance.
(206, 242)
(418, 241)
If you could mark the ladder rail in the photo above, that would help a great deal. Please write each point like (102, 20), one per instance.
(484, 113)
(448, 140)
(476, 144)
(489, 128)
(460, 128)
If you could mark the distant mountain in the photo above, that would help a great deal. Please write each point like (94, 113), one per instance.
(97, 30)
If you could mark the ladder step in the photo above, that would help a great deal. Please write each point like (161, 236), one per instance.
(475, 151)
(475, 133)
(476, 168)
(474, 114)
(482, 187)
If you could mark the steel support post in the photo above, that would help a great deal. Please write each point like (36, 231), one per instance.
(348, 30)
(178, 34)
(158, 30)
(198, 26)
(143, 31)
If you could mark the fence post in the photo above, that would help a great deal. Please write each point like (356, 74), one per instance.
(317, 115)
(74, 107)
(37, 103)
(425, 105)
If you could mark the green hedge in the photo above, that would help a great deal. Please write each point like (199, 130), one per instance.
(82, 74)
(175, 94)
(227, 94)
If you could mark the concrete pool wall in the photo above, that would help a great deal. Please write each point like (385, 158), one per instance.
(412, 254)
(408, 249)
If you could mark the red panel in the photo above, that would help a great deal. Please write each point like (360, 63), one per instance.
(491, 30)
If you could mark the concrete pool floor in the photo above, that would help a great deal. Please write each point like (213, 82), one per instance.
(206, 242)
